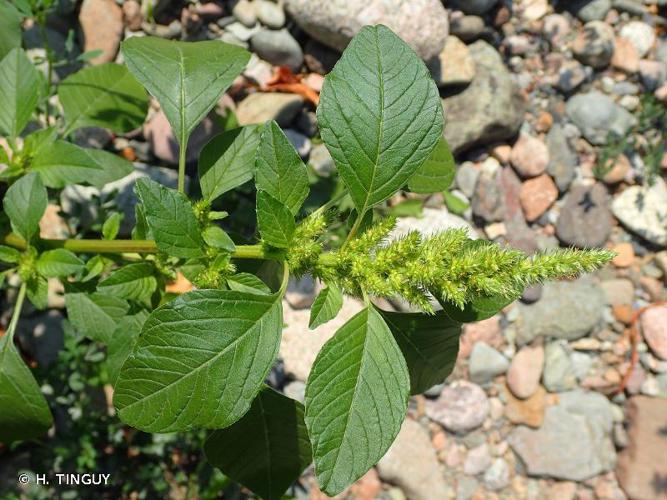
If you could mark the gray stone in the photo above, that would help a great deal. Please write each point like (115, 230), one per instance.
(643, 210)
(571, 76)
(278, 47)
(477, 7)
(432, 221)
(574, 441)
(242, 32)
(423, 24)
(585, 219)
(590, 10)
(461, 407)
(558, 373)
(653, 73)
(477, 460)
(598, 116)
(489, 109)
(270, 13)
(581, 364)
(300, 292)
(640, 34)
(631, 6)
(486, 363)
(42, 336)
(466, 178)
(321, 161)
(261, 107)
(300, 142)
(412, 464)
(567, 310)
(488, 201)
(454, 65)
(497, 476)
(618, 291)
(466, 487)
(468, 28)
(245, 12)
(296, 390)
(595, 44)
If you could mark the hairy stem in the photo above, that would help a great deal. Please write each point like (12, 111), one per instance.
(11, 329)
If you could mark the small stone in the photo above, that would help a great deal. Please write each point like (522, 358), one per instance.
(261, 107)
(132, 15)
(530, 156)
(412, 464)
(618, 291)
(616, 169)
(52, 225)
(523, 376)
(270, 14)
(461, 407)
(625, 56)
(296, 390)
(486, 331)
(497, 476)
(654, 329)
(529, 411)
(321, 161)
(562, 158)
(531, 294)
(245, 12)
(562, 490)
(477, 460)
(367, 487)
(454, 65)
(643, 210)
(319, 58)
(537, 195)
(486, 363)
(556, 27)
(301, 292)
(571, 76)
(640, 34)
(477, 7)
(594, 46)
(468, 28)
(653, 74)
(585, 219)
(597, 116)
(466, 178)
(590, 10)
(625, 254)
(278, 47)
(300, 142)
(488, 200)
(101, 24)
(559, 373)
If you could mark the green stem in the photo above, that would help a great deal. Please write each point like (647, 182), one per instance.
(182, 148)
(11, 329)
(355, 227)
(129, 246)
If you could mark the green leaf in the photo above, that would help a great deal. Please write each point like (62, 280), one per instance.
(25, 413)
(20, 89)
(37, 291)
(436, 173)
(356, 399)
(215, 237)
(111, 226)
(35, 142)
(380, 115)
(455, 204)
(246, 282)
(95, 315)
(429, 343)
(25, 203)
(9, 255)
(64, 163)
(274, 220)
(280, 171)
(122, 342)
(228, 160)
(200, 361)
(326, 306)
(187, 78)
(130, 282)
(10, 29)
(59, 263)
(478, 309)
(106, 96)
(407, 208)
(171, 219)
(267, 449)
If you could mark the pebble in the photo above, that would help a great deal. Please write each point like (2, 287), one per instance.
(466, 178)
(625, 56)
(562, 158)
(643, 211)
(594, 45)
(461, 407)
(597, 116)
(132, 15)
(585, 219)
(525, 371)
(537, 195)
(486, 331)
(497, 476)
(278, 47)
(487, 200)
(654, 330)
(530, 156)
(653, 73)
(590, 10)
(246, 13)
(468, 28)
(618, 291)
(625, 254)
(454, 65)
(486, 363)
(321, 161)
(101, 23)
(300, 142)
(640, 34)
(477, 460)
(559, 373)
(270, 14)
(556, 27)
(264, 106)
(617, 169)
(528, 411)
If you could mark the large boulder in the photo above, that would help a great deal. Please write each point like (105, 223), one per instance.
(423, 24)
(489, 109)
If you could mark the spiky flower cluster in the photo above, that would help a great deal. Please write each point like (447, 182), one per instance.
(448, 266)
(304, 253)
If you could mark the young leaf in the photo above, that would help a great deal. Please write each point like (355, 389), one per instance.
(9, 255)
(280, 171)
(380, 115)
(478, 309)
(106, 96)
(10, 28)
(131, 282)
(20, 89)
(171, 218)
(429, 343)
(326, 306)
(249, 283)
(25, 203)
(356, 399)
(200, 361)
(25, 413)
(95, 315)
(455, 204)
(187, 78)
(436, 173)
(412, 207)
(111, 226)
(228, 160)
(215, 237)
(267, 449)
(37, 291)
(122, 341)
(274, 220)
(59, 263)
(64, 163)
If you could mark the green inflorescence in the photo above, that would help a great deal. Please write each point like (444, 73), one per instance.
(447, 266)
